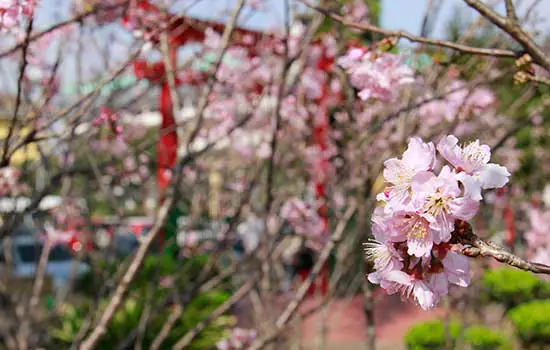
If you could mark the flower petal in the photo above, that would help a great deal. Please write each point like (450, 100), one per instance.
(493, 176)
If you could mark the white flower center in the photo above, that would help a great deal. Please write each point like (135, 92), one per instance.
(378, 253)
(436, 204)
(415, 226)
(474, 155)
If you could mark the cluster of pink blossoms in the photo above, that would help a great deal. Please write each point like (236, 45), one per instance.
(458, 99)
(106, 115)
(412, 251)
(303, 218)
(240, 339)
(9, 181)
(11, 12)
(537, 236)
(377, 75)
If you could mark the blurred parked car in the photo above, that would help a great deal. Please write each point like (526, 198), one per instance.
(26, 251)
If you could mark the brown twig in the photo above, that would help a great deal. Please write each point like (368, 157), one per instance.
(174, 316)
(411, 37)
(60, 25)
(475, 247)
(511, 27)
(24, 329)
(292, 307)
(511, 11)
(5, 154)
(238, 295)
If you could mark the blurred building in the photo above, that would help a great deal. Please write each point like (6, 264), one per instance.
(7, 106)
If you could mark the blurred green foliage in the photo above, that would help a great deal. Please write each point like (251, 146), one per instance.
(431, 335)
(128, 317)
(145, 294)
(483, 338)
(532, 322)
(510, 286)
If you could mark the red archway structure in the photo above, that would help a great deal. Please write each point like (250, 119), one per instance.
(184, 30)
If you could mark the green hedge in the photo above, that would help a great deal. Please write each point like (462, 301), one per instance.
(483, 338)
(532, 322)
(431, 336)
(512, 287)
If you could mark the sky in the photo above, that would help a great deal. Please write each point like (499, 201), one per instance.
(408, 14)
(396, 14)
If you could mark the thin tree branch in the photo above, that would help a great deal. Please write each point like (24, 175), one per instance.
(411, 37)
(475, 247)
(511, 11)
(203, 100)
(13, 125)
(514, 30)
(91, 341)
(291, 309)
(60, 25)
(222, 309)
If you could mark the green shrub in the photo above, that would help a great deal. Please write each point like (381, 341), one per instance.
(128, 317)
(154, 267)
(431, 335)
(532, 322)
(512, 286)
(483, 338)
(142, 292)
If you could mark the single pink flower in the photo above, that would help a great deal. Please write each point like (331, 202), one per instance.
(415, 229)
(472, 163)
(439, 199)
(378, 75)
(418, 159)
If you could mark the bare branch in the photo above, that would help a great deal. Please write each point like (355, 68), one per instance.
(291, 309)
(60, 25)
(514, 30)
(475, 247)
(5, 154)
(511, 11)
(238, 295)
(411, 37)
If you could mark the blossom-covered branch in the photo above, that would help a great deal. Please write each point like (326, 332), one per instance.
(414, 228)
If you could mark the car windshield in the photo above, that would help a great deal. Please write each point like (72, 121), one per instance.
(31, 253)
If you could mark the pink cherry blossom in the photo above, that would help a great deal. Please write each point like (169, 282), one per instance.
(456, 99)
(356, 11)
(399, 173)
(239, 339)
(407, 286)
(537, 235)
(303, 218)
(457, 269)
(413, 228)
(472, 164)
(413, 252)
(12, 12)
(439, 199)
(9, 181)
(378, 75)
